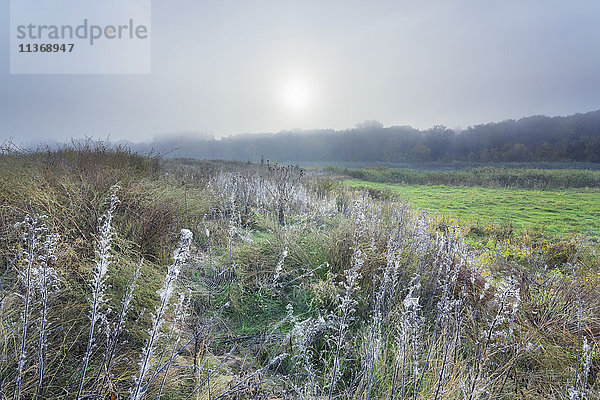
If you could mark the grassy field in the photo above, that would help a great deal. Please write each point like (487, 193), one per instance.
(555, 212)
(491, 177)
(219, 280)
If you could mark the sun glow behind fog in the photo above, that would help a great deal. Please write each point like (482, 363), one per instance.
(297, 94)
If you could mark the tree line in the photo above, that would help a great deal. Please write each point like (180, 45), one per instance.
(530, 139)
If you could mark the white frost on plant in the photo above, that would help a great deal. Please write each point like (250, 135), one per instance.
(279, 266)
(104, 259)
(180, 256)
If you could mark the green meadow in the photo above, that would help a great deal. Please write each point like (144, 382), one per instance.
(554, 212)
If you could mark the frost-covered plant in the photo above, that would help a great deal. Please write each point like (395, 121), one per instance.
(579, 319)
(380, 290)
(45, 280)
(178, 319)
(104, 259)
(117, 328)
(180, 256)
(421, 235)
(446, 279)
(39, 251)
(208, 240)
(508, 301)
(279, 266)
(451, 344)
(587, 363)
(284, 180)
(31, 239)
(302, 334)
(280, 262)
(347, 308)
(409, 339)
(449, 314)
(577, 391)
(233, 223)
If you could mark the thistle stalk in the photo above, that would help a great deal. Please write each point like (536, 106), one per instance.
(179, 257)
(103, 261)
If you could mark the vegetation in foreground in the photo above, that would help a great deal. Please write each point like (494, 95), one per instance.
(282, 286)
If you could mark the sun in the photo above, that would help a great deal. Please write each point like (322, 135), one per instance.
(296, 94)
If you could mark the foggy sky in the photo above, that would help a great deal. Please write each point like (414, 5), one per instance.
(218, 67)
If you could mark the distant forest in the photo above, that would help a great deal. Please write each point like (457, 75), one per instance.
(530, 139)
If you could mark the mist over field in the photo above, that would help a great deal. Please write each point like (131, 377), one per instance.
(230, 68)
(574, 138)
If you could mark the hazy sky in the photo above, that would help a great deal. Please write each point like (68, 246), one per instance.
(226, 67)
